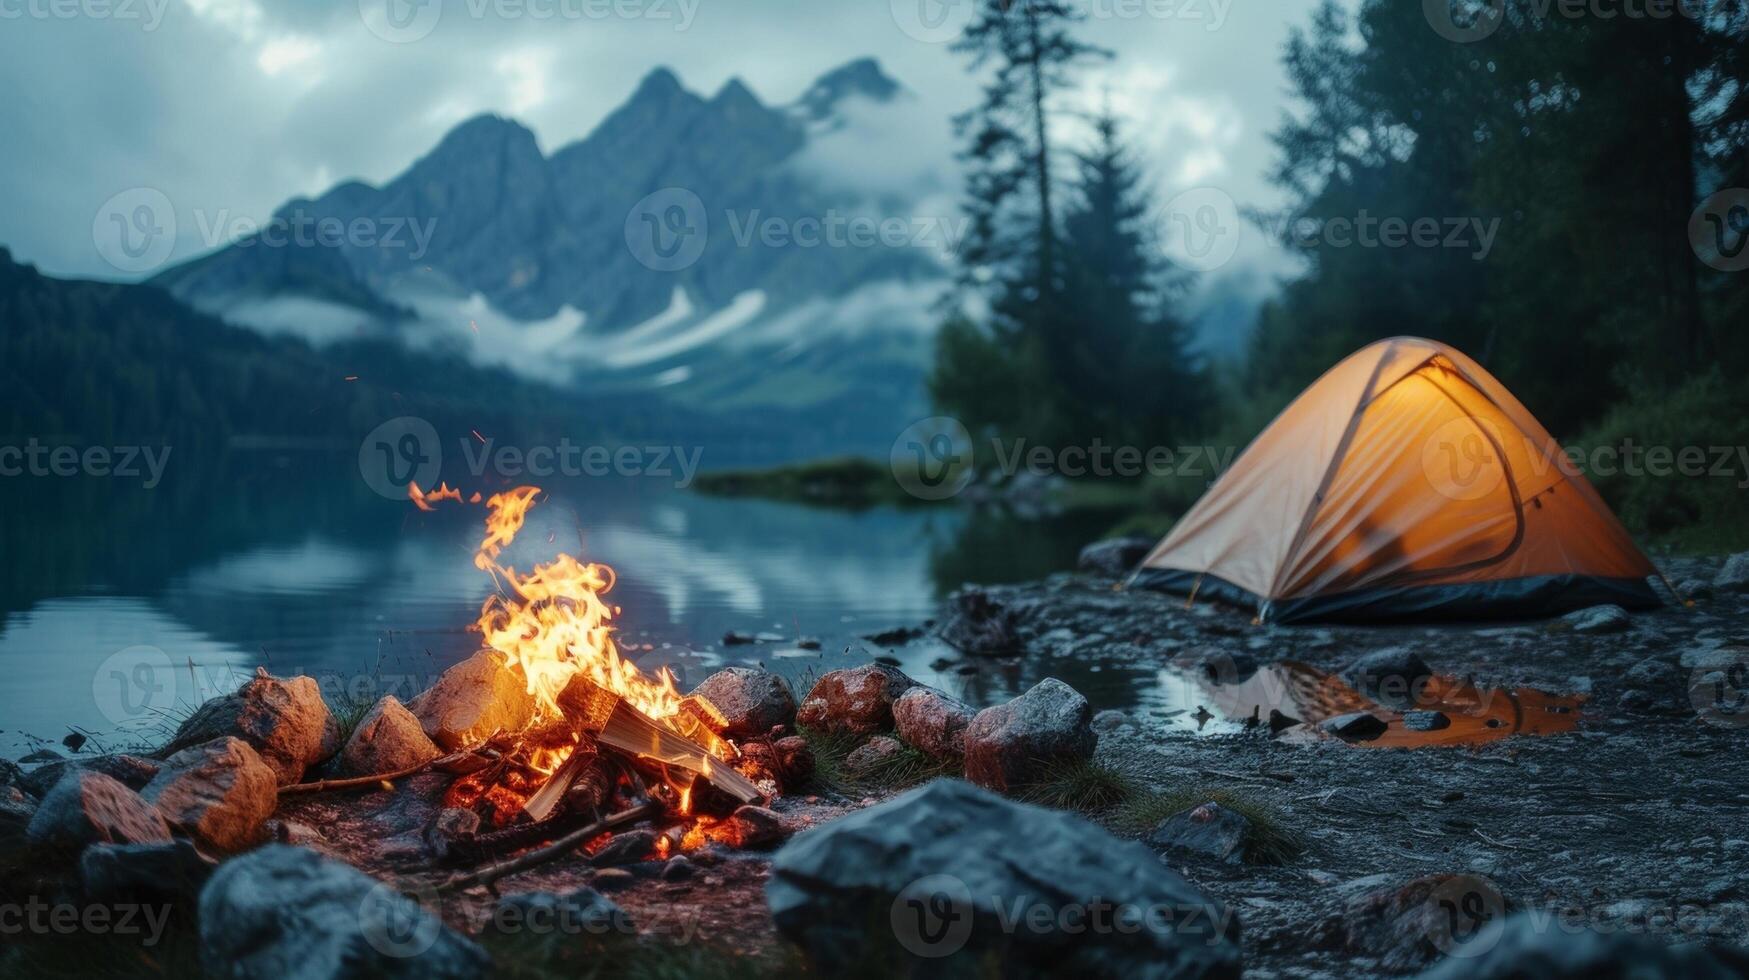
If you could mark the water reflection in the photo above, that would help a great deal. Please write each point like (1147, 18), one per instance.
(305, 570)
(1284, 694)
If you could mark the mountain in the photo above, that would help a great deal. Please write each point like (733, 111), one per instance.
(688, 249)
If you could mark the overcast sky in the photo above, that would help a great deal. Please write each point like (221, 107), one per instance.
(229, 107)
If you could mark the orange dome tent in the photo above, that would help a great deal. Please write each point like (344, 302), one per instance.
(1405, 482)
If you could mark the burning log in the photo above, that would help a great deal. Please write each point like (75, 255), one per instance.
(616, 723)
(557, 849)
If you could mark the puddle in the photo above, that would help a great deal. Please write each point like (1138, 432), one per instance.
(1474, 714)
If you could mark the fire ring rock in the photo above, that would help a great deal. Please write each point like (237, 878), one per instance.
(854, 701)
(87, 808)
(388, 738)
(472, 700)
(932, 723)
(289, 912)
(1012, 745)
(284, 720)
(219, 793)
(754, 701)
(945, 880)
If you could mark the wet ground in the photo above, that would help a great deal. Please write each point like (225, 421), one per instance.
(1630, 812)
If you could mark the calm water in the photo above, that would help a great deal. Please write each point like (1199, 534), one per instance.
(120, 608)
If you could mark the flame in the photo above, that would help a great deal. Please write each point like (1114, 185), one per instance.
(424, 501)
(553, 624)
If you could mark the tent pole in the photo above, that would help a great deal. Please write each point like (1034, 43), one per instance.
(1680, 601)
(1193, 587)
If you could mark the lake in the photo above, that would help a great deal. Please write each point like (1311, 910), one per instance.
(124, 607)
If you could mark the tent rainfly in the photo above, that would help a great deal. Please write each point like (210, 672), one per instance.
(1406, 482)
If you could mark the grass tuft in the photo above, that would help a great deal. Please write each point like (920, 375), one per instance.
(909, 768)
(1082, 786)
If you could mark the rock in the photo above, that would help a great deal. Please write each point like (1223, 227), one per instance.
(873, 754)
(945, 863)
(980, 625)
(290, 912)
(796, 758)
(1009, 746)
(628, 847)
(1400, 923)
(10, 774)
(1356, 726)
(678, 868)
(1114, 557)
(559, 921)
(898, 636)
(1219, 666)
(1695, 588)
(16, 809)
(450, 825)
(1110, 720)
(220, 793)
(612, 879)
(1394, 676)
(754, 701)
(88, 808)
(1734, 576)
(735, 639)
(1598, 619)
(1651, 673)
(388, 738)
(472, 700)
(1208, 832)
(854, 701)
(41, 756)
(808, 643)
(74, 741)
(1426, 721)
(1526, 948)
(131, 771)
(932, 723)
(284, 720)
(173, 870)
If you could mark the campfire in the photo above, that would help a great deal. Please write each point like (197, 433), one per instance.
(608, 746)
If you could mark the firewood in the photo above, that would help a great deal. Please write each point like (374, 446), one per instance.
(582, 758)
(633, 731)
(454, 762)
(557, 849)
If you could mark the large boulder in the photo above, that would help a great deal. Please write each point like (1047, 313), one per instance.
(289, 912)
(16, 811)
(753, 700)
(932, 723)
(284, 720)
(981, 625)
(1014, 745)
(473, 700)
(220, 793)
(88, 808)
(1608, 618)
(1114, 557)
(956, 881)
(854, 701)
(1527, 947)
(388, 738)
